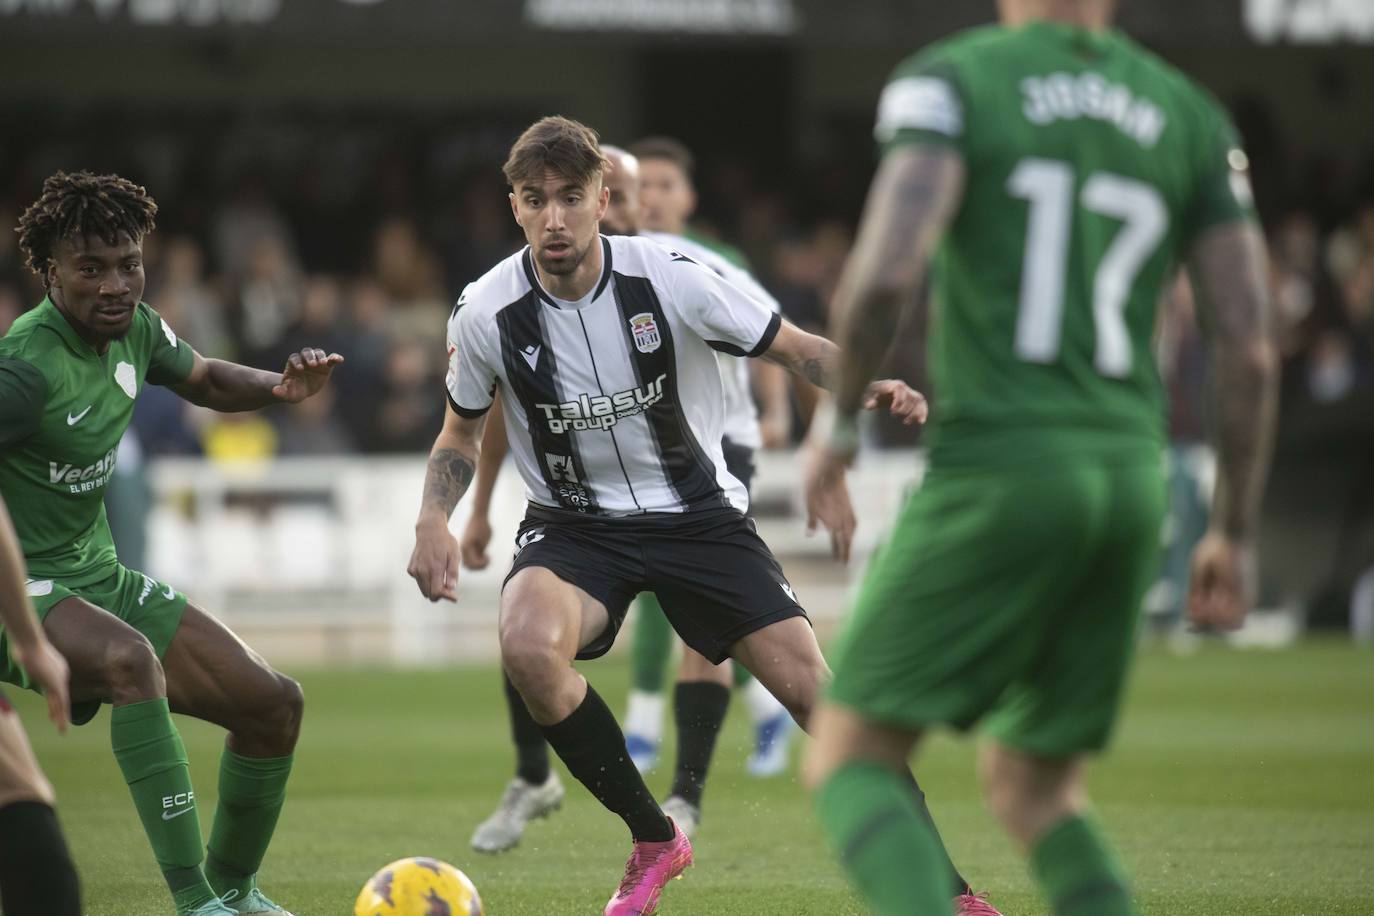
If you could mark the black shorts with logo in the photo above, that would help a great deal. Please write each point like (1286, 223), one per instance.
(715, 577)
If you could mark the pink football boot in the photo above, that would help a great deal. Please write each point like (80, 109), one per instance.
(651, 867)
(972, 904)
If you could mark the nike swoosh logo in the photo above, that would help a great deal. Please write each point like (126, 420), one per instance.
(168, 815)
(168, 592)
(73, 420)
(531, 357)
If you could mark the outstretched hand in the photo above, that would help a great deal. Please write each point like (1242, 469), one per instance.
(305, 374)
(48, 670)
(476, 537)
(902, 401)
(434, 562)
(1222, 584)
(827, 496)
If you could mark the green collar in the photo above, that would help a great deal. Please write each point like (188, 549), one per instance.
(1071, 34)
(54, 318)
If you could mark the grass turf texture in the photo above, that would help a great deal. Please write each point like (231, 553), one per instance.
(1240, 784)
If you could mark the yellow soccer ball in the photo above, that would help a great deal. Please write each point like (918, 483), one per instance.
(418, 887)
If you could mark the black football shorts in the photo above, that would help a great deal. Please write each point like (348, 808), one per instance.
(715, 577)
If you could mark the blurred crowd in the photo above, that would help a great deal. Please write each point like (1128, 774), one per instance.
(356, 234)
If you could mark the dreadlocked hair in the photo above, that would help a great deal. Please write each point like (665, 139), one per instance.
(79, 204)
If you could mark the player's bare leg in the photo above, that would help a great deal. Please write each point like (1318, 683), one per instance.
(111, 662)
(700, 699)
(1043, 804)
(786, 659)
(544, 621)
(213, 675)
(1029, 795)
(867, 795)
(37, 877)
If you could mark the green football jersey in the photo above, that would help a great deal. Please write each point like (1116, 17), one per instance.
(1091, 167)
(63, 410)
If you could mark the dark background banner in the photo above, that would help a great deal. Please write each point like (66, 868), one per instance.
(813, 22)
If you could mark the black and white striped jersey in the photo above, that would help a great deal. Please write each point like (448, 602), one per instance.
(613, 403)
(741, 424)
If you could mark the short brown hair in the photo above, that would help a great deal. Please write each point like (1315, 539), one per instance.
(674, 151)
(559, 145)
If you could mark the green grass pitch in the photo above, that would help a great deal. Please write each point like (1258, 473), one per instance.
(1239, 784)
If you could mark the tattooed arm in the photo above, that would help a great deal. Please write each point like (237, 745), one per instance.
(1228, 271)
(808, 355)
(817, 360)
(452, 462)
(913, 199)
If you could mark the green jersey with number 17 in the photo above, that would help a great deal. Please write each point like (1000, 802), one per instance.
(1091, 167)
(63, 409)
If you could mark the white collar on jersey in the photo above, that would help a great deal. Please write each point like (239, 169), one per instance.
(527, 260)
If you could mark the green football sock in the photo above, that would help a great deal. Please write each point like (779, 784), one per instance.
(891, 852)
(251, 793)
(1078, 872)
(651, 646)
(153, 760)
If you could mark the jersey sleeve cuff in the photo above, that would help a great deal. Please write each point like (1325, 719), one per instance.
(469, 413)
(770, 332)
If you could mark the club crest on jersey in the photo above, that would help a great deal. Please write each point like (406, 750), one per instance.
(127, 377)
(645, 330)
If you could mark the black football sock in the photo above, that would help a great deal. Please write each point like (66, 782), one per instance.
(699, 710)
(37, 877)
(956, 880)
(592, 746)
(531, 750)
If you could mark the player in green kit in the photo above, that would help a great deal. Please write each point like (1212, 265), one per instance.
(1051, 174)
(70, 371)
(667, 201)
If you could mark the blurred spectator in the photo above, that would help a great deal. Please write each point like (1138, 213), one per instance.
(11, 307)
(409, 410)
(1350, 258)
(245, 221)
(266, 300)
(232, 437)
(182, 296)
(409, 273)
(312, 427)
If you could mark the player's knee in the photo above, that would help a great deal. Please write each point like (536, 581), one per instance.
(275, 719)
(1027, 794)
(290, 708)
(529, 658)
(133, 671)
(801, 691)
(1002, 796)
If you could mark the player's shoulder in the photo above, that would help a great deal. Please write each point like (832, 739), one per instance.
(648, 257)
(1177, 86)
(153, 325)
(681, 246)
(32, 339)
(642, 254)
(507, 282)
(951, 52)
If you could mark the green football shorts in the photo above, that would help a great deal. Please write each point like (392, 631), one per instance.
(147, 605)
(1009, 596)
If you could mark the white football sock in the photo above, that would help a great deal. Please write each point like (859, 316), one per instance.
(645, 715)
(762, 704)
